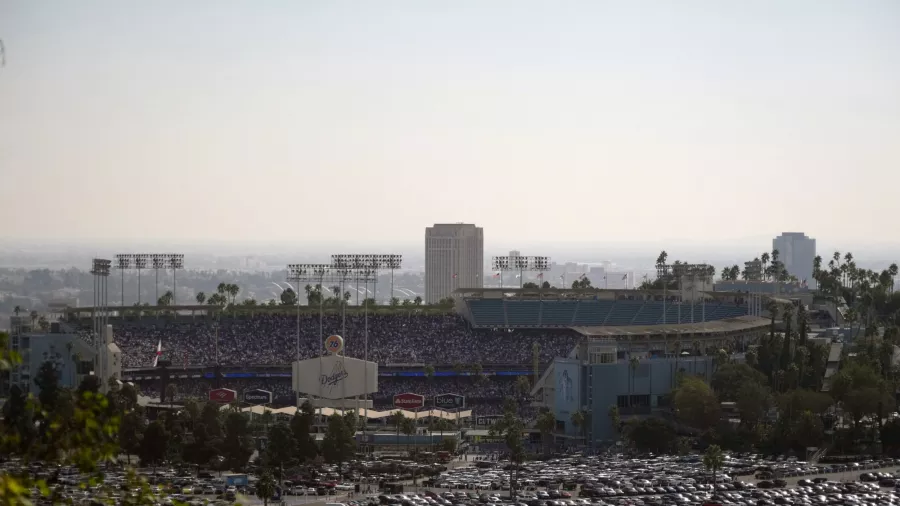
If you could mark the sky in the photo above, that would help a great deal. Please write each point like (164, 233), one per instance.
(707, 122)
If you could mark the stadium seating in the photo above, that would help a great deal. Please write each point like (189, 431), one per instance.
(592, 312)
(565, 313)
(488, 312)
(526, 312)
(558, 313)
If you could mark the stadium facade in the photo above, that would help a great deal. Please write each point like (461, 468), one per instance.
(634, 346)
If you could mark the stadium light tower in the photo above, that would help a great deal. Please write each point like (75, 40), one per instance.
(123, 263)
(140, 262)
(100, 270)
(521, 264)
(157, 262)
(176, 262)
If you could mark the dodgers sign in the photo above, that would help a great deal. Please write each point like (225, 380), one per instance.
(335, 377)
(258, 396)
(449, 401)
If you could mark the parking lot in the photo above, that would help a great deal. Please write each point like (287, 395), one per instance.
(582, 481)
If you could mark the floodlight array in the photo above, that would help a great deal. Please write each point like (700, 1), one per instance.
(123, 261)
(520, 263)
(100, 267)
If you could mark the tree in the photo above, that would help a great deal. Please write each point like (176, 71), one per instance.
(338, 444)
(131, 432)
(510, 429)
(713, 460)
(615, 419)
(578, 421)
(47, 380)
(89, 384)
(695, 404)
(545, 424)
(301, 426)
(652, 435)
(281, 448)
(265, 486)
(153, 445)
(417, 301)
(171, 391)
(289, 297)
(200, 298)
(237, 445)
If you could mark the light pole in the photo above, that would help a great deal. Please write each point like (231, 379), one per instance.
(157, 262)
(176, 262)
(140, 262)
(123, 263)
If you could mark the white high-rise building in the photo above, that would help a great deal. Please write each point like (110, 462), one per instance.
(454, 258)
(797, 252)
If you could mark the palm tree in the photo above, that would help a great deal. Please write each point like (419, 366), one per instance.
(171, 391)
(578, 422)
(17, 310)
(614, 417)
(417, 301)
(546, 422)
(632, 366)
(34, 317)
(265, 487)
(43, 323)
(396, 419)
(765, 262)
(408, 426)
(201, 298)
(713, 460)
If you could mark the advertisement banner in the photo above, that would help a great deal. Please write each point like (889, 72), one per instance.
(568, 381)
(335, 377)
(409, 401)
(222, 395)
(258, 397)
(487, 420)
(449, 401)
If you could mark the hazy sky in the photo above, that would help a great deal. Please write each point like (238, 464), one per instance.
(541, 121)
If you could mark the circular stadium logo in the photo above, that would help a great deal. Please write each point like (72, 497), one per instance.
(334, 344)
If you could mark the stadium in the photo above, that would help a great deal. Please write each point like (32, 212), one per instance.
(580, 350)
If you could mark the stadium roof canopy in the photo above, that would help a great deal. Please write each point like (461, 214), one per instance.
(361, 412)
(729, 325)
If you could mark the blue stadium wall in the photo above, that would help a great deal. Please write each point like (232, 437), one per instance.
(507, 313)
(604, 385)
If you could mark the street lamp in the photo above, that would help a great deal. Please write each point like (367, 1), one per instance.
(140, 262)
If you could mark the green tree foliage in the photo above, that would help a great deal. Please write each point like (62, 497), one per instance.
(713, 459)
(510, 429)
(339, 444)
(265, 486)
(729, 378)
(695, 403)
(237, 444)
(301, 426)
(652, 435)
(152, 450)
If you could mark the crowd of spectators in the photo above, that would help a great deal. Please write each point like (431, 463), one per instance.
(392, 339)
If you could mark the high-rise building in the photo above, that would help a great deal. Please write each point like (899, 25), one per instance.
(454, 258)
(797, 252)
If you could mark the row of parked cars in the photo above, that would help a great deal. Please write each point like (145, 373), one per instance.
(663, 479)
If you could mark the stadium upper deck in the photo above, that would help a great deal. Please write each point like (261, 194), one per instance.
(507, 308)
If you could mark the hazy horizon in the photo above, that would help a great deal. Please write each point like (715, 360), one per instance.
(702, 124)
